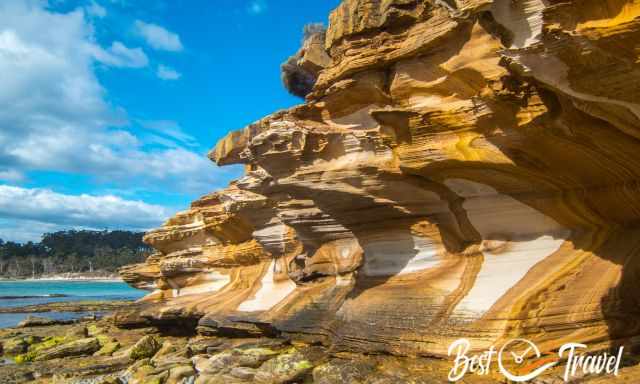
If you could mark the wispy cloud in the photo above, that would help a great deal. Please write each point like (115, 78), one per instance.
(257, 7)
(46, 210)
(118, 55)
(158, 37)
(68, 125)
(56, 117)
(167, 73)
(11, 175)
(96, 10)
(47, 206)
(169, 129)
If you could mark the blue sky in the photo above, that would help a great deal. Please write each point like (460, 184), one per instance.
(110, 106)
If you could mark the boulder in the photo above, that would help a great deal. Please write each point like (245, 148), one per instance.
(343, 371)
(15, 346)
(218, 379)
(36, 321)
(82, 347)
(166, 363)
(221, 362)
(284, 368)
(107, 349)
(78, 332)
(145, 348)
(180, 373)
(167, 348)
(244, 373)
(252, 357)
(206, 345)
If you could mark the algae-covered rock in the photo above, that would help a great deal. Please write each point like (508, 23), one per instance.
(94, 330)
(216, 364)
(36, 346)
(80, 347)
(159, 378)
(217, 379)
(108, 349)
(169, 362)
(15, 346)
(252, 357)
(200, 346)
(33, 339)
(338, 372)
(47, 342)
(111, 380)
(145, 347)
(283, 369)
(24, 357)
(140, 374)
(35, 321)
(104, 339)
(166, 349)
(77, 332)
(224, 361)
(179, 373)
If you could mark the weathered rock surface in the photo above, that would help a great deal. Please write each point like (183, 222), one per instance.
(280, 361)
(80, 347)
(74, 306)
(283, 369)
(145, 348)
(35, 321)
(463, 168)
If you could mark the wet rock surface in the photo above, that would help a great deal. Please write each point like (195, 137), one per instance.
(36, 321)
(73, 306)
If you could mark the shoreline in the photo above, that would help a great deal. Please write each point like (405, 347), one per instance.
(89, 305)
(106, 279)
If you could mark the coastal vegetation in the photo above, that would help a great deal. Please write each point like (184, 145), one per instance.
(72, 251)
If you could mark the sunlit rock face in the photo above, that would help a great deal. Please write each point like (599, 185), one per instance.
(462, 168)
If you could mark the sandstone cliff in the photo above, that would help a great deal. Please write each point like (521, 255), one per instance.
(461, 168)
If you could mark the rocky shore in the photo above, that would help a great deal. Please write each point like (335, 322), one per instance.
(70, 306)
(460, 169)
(97, 352)
(71, 276)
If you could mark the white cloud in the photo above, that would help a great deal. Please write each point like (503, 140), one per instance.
(55, 211)
(54, 116)
(257, 7)
(11, 175)
(168, 73)
(170, 129)
(26, 230)
(118, 55)
(158, 37)
(96, 10)
(47, 206)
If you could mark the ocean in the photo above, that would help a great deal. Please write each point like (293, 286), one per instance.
(30, 292)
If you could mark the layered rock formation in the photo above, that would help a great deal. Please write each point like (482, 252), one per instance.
(461, 168)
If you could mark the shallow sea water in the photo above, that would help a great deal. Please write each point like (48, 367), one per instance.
(30, 292)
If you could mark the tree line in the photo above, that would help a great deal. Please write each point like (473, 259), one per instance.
(72, 251)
